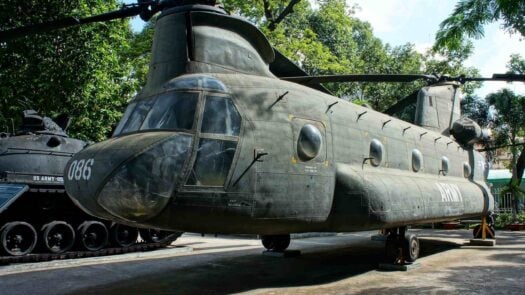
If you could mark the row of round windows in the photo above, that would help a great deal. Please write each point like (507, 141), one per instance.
(376, 158)
(310, 141)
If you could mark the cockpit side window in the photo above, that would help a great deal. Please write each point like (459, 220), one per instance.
(220, 128)
(125, 118)
(214, 158)
(220, 117)
(138, 115)
(172, 111)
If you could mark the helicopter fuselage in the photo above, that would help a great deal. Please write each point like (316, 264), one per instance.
(252, 154)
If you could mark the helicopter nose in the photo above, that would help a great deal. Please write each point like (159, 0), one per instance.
(130, 178)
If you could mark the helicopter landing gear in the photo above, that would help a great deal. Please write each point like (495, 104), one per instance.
(276, 243)
(486, 229)
(276, 246)
(401, 247)
(484, 234)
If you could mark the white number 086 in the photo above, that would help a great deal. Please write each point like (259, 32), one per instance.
(80, 169)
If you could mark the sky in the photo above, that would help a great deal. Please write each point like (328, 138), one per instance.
(398, 22)
(416, 21)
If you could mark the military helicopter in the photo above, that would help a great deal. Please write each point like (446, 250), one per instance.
(229, 136)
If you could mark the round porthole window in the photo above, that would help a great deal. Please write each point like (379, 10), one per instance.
(466, 170)
(417, 160)
(444, 165)
(309, 142)
(376, 152)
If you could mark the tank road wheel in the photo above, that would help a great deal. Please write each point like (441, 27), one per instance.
(150, 235)
(277, 243)
(410, 247)
(122, 235)
(92, 235)
(17, 238)
(57, 237)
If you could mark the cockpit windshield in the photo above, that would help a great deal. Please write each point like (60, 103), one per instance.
(170, 110)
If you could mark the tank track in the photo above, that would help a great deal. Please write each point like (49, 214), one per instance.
(39, 257)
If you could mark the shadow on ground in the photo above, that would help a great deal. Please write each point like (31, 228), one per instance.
(250, 271)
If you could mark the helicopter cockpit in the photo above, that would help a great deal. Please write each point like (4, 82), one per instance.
(176, 109)
(199, 125)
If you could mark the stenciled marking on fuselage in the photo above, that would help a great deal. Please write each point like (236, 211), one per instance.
(47, 178)
(310, 169)
(80, 169)
(449, 192)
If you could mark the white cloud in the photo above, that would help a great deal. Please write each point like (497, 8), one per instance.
(400, 21)
(384, 16)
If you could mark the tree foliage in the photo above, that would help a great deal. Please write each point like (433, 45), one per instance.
(508, 125)
(80, 70)
(331, 40)
(92, 71)
(470, 16)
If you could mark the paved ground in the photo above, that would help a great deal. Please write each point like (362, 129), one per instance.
(343, 264)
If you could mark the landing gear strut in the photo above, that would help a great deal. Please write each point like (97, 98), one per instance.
(486, 228)
(401, 247)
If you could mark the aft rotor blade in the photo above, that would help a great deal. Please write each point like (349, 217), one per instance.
(495, 77)
(359, 78)
(507, 77)
(68, 22)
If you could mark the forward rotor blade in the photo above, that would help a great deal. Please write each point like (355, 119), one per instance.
(68, 22)
(360, 78)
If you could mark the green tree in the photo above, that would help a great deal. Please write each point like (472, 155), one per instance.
(79, 70)
(469, 17)
(509, 124)
(330, 40)
(516, 64)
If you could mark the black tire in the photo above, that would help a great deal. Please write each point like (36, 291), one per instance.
(276, 243)
(411, 247)
(17, 238)
(391, 247)
(122, 235)
(150, 235)
(476, 232)
(57, 237)
(92, 235)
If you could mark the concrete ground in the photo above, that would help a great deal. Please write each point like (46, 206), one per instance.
(342, 264)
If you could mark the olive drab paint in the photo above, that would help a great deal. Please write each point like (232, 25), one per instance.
(251, 153)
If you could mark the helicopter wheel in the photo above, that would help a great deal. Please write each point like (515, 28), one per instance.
(92, 235)
(18, 238)
(57, 237)
(150, 235)
(410, 247)
(123, 235)
(277, 243)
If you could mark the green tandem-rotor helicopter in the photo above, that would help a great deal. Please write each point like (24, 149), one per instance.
(228, 136)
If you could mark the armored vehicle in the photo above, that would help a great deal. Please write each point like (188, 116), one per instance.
(36, 215)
